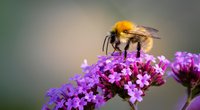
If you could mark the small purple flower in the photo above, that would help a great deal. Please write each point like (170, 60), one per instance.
(114, 77)
(136, 95)
(89, 96)
(143, 80)
(198, 67)
(99, 101)
(53, 93)
(159, 70)
(126, 71)
(45, 107)
(178, 54)
(68, 89)
(129, 86)
(60, 104)
(75, 78)
(150, 58)
(85, 66)
(131, 60)
(75, 102)
(81, 89)
(163, 59)
(69, 104)
(82, 103)
(108, 61)
(90, 81)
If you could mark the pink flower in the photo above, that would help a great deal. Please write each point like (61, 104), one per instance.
(126, 71)
(114, 77)
(163, 59)
(159, 70)
(143, 80)
(135, 95)
(129, 86)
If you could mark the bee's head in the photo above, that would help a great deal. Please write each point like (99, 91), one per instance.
(113, 35)
(123, 27)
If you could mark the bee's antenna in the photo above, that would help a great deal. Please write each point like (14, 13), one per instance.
(107, 45)
(104, 43)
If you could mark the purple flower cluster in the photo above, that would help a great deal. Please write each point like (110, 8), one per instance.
(111, 75)
(186, 69)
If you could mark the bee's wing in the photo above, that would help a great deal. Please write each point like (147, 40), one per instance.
(151, 30)
(148, 28)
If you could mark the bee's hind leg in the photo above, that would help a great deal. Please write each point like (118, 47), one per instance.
(138, 50)
(126, 48)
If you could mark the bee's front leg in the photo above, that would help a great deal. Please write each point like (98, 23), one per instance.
(116, 47)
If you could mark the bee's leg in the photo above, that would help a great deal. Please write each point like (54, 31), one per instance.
(138, 50)
(126, 48)
(113, 48)
(116, 47)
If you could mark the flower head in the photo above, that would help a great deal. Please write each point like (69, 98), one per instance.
(111, 75)
(186, 69)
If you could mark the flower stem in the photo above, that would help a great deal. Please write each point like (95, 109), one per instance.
(133, 106)
(189, 97)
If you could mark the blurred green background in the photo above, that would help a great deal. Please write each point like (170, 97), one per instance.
(42, 44)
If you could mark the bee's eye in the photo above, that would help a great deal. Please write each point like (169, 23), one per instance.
(125, 31)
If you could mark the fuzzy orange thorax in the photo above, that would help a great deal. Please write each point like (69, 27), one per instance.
(123, 25)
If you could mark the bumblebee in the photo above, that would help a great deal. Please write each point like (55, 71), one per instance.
(128, 32)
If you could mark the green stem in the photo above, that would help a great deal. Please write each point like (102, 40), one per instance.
(133, 106)
(189, 97)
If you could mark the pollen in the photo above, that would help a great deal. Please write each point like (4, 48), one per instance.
(123, 25)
